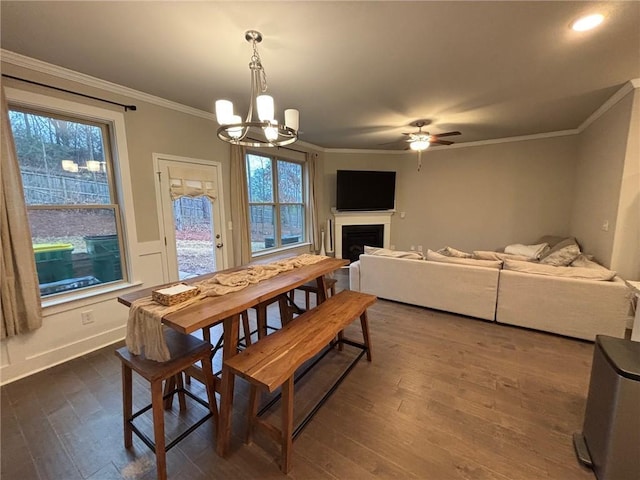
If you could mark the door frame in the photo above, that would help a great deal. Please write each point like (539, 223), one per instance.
(170, 257)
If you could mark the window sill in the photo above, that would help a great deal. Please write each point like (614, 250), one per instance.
(275, 251)
(82, 298)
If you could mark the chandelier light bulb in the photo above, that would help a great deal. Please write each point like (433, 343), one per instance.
(265, 108)
(67, 165)
(292, 118)
(271, 132)
(235, 132)
(93, 165)
(224, 112)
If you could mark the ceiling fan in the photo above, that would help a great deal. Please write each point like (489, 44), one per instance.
(420, 141)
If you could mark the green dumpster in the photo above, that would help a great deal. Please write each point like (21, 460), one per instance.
(105, 257)
(53, 261)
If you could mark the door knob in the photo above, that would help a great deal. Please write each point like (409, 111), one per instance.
(219, 245)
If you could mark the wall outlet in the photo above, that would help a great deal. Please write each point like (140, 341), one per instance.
(420, 248)
(413, 248)
(87, 317)
(605, 225)
(402, 214)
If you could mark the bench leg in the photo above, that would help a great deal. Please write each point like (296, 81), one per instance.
(158, 429)
(364, 322)
(287, 424)
(254, 399)
(127, 405)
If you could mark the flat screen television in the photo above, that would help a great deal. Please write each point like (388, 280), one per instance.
(365, 190)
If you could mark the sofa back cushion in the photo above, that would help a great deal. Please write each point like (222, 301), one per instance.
(385, 252)
(437, 257)
(583, 273)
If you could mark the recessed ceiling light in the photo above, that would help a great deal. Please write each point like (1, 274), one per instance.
(587, 23)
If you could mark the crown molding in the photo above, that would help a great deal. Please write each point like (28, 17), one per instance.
(522, 138)
(629, 86)
(73, 76)
(16, 59)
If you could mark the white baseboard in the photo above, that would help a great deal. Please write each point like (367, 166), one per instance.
(44, 360)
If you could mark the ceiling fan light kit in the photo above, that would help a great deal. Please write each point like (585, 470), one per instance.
(265, 131)
(587, 23)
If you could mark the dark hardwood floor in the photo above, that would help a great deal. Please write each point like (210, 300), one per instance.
(446, 397)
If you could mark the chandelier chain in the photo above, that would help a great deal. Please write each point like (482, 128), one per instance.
(256, 60)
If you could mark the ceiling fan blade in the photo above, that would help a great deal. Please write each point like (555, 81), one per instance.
(440, 142)
(447, 134)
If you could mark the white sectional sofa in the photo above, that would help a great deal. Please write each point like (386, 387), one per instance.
(463, 289)
(573, 307)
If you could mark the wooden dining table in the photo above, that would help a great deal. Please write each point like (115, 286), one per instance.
(226, 309)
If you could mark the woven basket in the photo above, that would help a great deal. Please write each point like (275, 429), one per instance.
(173, 299)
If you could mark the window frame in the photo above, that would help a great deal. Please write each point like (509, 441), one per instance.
(119, 182)
(277, 204)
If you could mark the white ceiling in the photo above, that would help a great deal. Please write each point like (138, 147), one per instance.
(359, 72)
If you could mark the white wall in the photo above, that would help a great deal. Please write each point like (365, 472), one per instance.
(601, 160)
(625, 255)
(480, 197)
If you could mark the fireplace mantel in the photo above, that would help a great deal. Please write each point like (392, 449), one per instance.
(374, 217)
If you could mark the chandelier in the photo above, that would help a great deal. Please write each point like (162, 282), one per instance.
(265, 131)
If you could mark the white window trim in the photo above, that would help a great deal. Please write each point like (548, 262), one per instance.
(121, 177)
(305, 200)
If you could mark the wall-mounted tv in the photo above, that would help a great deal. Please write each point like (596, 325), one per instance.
(365, 190)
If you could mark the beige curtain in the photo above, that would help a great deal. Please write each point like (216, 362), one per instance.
(20, 309)
(240, 207)
(313, 202)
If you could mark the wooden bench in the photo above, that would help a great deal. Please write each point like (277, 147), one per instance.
(273, 361)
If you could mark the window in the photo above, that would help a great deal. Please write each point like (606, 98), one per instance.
(276, 202)
(73, 209)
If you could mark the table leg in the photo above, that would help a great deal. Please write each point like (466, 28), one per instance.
(322, 290)
(229, 349)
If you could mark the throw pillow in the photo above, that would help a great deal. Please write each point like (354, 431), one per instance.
(567, 272)
(489, 255)
(562, 254)
(437, 257)
(551, 240)
(385, 252)
(533, 252)
(452, 252)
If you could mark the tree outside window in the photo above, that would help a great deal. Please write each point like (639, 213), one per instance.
(276, 202)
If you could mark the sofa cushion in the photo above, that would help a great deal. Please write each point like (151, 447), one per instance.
(562, 254)
(385, 252)
(437, 257)
(489, 255)
(533, 252)
(583, 273)
(452, 252)
(584, 261)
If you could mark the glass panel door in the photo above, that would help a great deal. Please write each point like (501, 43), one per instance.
(192, 226)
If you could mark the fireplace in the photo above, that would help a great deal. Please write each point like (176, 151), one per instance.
(355, 237)
(380, 219)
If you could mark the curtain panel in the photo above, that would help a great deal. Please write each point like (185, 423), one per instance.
(20, 307)
(240, 207)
